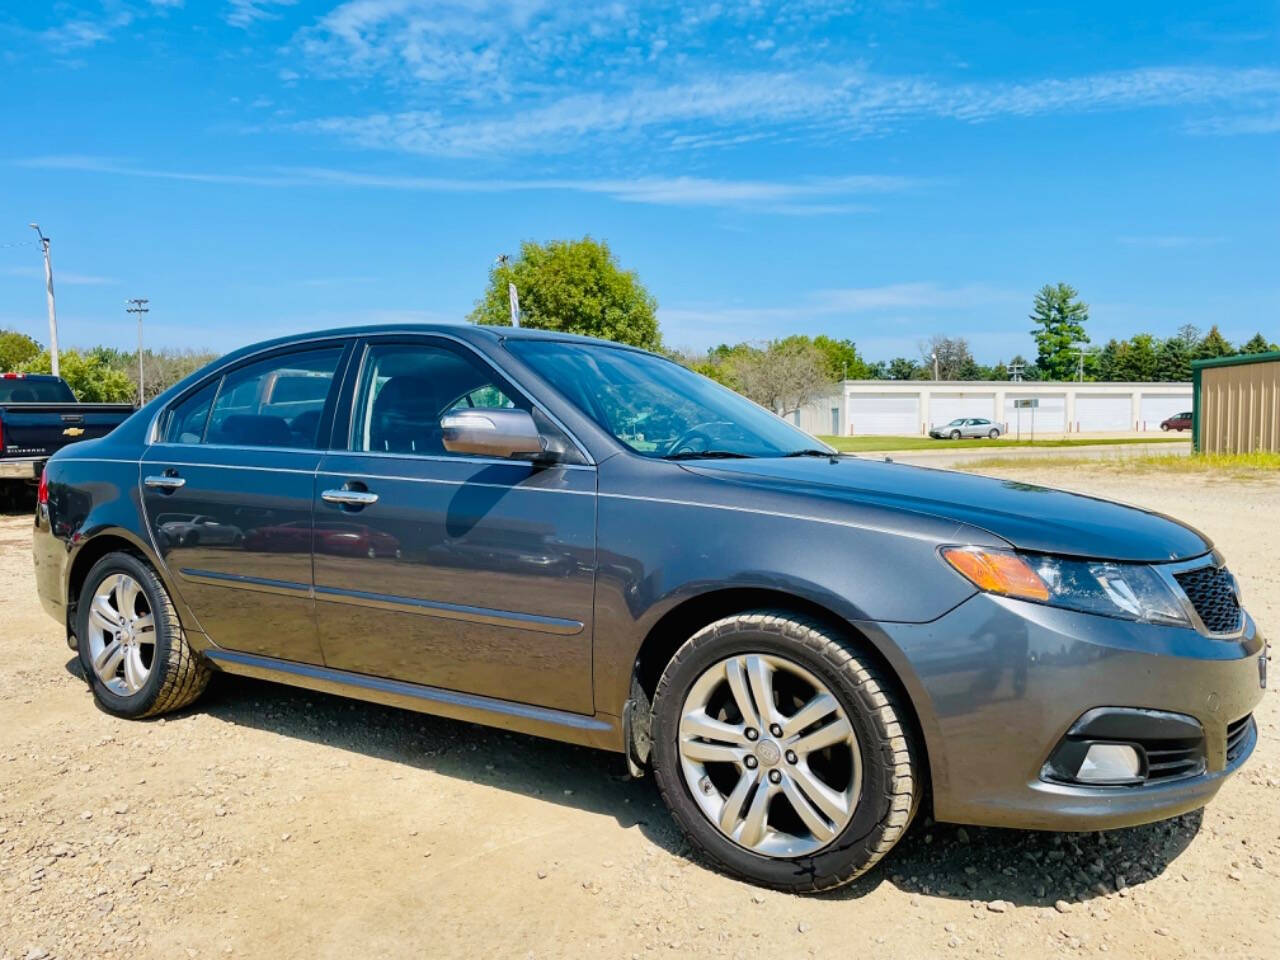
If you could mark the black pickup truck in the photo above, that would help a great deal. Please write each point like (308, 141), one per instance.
(39, 415)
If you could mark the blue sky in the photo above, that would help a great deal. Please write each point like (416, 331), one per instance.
(880, 171)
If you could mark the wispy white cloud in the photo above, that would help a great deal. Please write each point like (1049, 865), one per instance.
(245, 13)
(821, 101)
(61, 277)
(891, 313)
(800, 197)
(82, 32)
(1169, 241)
(1239, 124)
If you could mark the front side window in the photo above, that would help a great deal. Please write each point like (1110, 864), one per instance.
(405, 388)
(277, 402)
(656, 407)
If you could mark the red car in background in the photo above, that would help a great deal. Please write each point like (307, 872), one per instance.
(1179, 421)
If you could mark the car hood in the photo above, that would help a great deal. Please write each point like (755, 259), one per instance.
(1029, 517)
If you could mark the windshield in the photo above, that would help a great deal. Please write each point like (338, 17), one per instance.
(22, 390)
(659, 408)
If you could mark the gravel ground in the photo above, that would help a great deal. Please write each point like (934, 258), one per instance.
(267, 821)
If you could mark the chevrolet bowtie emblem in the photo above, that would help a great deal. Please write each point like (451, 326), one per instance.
(73, 431)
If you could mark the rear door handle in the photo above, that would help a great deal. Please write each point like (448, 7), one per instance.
(165, 483)
(349, 498)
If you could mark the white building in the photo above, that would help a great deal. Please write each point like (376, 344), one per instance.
(909, 407)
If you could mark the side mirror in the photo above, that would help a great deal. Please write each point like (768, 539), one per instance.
(492, 433)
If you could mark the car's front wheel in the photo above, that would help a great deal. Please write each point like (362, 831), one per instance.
(955, 434)
(130, 641)
(781, 752)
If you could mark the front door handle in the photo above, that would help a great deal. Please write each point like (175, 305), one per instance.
(165, 482)
(349, 498)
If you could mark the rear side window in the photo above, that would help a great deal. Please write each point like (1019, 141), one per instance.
(276, 402)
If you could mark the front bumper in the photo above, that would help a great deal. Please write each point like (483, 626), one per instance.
(26, 469)
(998, 683)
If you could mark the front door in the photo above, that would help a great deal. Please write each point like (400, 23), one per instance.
(454, 571)
(228, 493)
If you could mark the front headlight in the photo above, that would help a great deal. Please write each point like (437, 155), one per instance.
(1128, 590)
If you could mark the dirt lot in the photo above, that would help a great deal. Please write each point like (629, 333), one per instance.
(272, 822)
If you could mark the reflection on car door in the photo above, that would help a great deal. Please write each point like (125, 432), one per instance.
(453, 571)
(228, 493)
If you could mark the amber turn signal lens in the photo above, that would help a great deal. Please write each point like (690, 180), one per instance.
(997, 571)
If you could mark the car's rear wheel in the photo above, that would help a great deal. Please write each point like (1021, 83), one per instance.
(993, 433)
(130, 641)
(781, 752)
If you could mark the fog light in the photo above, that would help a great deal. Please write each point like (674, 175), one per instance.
(1109, 762)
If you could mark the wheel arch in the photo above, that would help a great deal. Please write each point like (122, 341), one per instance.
(689, 616)
(98, 544)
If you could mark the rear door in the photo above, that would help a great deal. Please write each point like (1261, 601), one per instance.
(228, 492)
(450, 570)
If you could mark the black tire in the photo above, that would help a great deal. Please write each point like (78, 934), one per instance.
(955, 434)
(993, 434)
(890, 788)
(177, 676)
(1165, 427)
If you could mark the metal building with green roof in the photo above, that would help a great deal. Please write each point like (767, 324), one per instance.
(1236, 404)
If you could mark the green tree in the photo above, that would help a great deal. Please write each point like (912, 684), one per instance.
(16, 349)
(902, 368)
(842, 358)
(1173, 361)
(90, 377)
(1258, 344)
(1059, 316)
(574, 286)
(1213, 345)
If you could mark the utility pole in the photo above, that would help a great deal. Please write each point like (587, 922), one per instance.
(138, 306)
(934, 355)
(1082, 347)
(48, 290)
(1015, 371)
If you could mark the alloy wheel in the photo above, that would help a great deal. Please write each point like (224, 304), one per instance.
(122, 634)
(769, 755)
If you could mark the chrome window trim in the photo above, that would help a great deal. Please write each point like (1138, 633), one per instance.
(514, 487)
(1167, 571)
(382, 454)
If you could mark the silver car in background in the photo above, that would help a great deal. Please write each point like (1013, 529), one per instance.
(966, 427)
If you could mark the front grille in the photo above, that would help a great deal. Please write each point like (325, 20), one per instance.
(1237, 734)
(1212, 592)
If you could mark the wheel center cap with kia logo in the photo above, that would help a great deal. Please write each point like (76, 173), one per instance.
(767, 753)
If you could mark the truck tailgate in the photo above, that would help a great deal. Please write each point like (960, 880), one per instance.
(41, 429)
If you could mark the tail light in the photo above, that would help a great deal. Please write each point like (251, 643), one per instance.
(42, 494)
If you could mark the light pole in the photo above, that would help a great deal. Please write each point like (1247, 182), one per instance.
(138, 306)
(48, 290)
(934, 355)
(513, 298)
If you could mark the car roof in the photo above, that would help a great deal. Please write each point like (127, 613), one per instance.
(464, 331)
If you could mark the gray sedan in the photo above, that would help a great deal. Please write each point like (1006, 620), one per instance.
(579, 540)
(966, 427)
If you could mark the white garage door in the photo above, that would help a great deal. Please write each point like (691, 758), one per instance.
(884, 414)
(1097, 412)
(1157, 408)
(945, 407)
(1050, 416)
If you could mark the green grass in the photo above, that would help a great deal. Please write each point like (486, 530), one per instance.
(1233, 465)
(869, 444)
